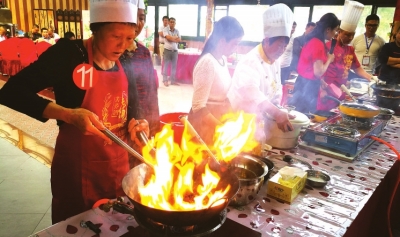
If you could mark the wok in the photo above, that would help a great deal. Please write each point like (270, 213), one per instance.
(138, 177)
(356, 109)
(320, 115)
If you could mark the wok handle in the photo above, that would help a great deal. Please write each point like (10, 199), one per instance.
(344, 89)
(329, 97)
(129, 149)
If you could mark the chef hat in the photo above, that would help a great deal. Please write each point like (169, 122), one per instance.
(113, 11)
(278, 21)
(351, 15)
(141, 4)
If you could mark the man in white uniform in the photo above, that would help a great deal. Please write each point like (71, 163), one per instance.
(256, 83)
(368, 45)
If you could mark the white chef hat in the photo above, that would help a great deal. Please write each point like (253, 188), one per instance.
(113, 11)
(141, 4)
(278, 21)
(351, 15)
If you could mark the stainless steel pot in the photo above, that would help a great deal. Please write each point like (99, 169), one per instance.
(251, 172)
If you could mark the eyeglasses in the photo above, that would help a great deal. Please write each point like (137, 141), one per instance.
(372, 25)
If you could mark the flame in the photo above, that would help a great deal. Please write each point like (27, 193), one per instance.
(183, 179)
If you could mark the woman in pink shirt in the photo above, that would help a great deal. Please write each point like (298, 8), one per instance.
(313, 63)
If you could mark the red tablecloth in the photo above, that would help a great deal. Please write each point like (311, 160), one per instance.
(184, 67)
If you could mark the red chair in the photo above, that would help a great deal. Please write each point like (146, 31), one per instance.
(27, 52)
(10, 64)
(41, 47)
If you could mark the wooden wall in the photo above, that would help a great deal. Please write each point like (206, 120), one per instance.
(22, 10)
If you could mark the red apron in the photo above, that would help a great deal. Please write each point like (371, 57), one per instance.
(85, 168)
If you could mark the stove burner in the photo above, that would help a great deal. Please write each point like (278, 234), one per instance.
(341, 131)
(157, 229)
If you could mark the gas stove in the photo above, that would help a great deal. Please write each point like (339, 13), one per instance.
(341, 138)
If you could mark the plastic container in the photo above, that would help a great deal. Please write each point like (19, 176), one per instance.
(177, 126)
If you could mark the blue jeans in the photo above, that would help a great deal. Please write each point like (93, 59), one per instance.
(170, 58)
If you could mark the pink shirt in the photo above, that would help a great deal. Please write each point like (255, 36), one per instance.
(312, 51)
(338, 70)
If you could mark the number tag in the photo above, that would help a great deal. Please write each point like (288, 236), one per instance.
(85, 76)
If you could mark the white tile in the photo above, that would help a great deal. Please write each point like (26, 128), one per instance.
(43, 224)
(24, 196)
(18, 225)
(31, 169)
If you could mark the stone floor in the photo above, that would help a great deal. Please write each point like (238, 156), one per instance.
(25, 195)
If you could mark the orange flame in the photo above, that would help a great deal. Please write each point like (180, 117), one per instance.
(182, 180)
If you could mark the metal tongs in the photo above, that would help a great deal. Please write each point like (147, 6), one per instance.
(129, 149)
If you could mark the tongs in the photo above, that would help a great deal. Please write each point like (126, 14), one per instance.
(129, 149)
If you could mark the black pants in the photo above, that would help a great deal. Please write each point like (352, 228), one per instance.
(305, 95)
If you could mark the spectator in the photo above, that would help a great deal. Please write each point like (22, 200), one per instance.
(172, 38)
(138, 58)
(298, 44)
(368, 45)
(34, 33)
(69, 35)
(390, 61)
(161, 35)
(45, 37)
(52, 34)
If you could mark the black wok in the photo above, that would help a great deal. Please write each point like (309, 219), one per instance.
(138, 177)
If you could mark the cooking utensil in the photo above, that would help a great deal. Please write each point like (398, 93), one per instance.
(294, 162)
(194, 133)
(388, 102)
(129, 149)
(285, 140)
(139, 176)
(386, 90)
(317, 179)
(321, 115)
(251, 173)
(356, 109)
(344, 89)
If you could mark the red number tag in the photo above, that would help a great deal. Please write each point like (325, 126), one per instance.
(85, 76)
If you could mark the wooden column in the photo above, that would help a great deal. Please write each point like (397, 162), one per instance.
(210, 16)
(396, 20)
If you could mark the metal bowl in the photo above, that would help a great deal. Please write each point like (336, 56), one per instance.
(251, 173)
(317, 179)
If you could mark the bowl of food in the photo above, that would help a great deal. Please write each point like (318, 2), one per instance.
(251, 172)
(317, 179)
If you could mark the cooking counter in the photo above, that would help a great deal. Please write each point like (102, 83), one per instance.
(354, 203)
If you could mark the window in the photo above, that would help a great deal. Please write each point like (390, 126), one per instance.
(146, 37)
(301, 15)
(186, 16)
(386, 18)
(361, 23)
(250, 17)
(203, 15)
(319, 11)
(162, 11)
(219, 12)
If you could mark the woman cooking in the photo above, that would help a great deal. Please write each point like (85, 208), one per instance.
(313, 63)
(211, 78)
(86, 165)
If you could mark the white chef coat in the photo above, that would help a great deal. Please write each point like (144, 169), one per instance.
(255, 80)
